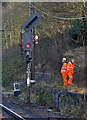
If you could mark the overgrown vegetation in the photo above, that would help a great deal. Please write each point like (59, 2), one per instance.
(78, 33)
(75, 112)
(52, 39)
(11, 67)
(55, 37)
(45, 98)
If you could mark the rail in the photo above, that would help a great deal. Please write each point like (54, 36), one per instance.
(12, 113)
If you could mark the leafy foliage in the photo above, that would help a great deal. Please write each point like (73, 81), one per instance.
(76, 31)
(45, 98)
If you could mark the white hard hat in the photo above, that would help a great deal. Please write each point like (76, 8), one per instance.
(64, 59)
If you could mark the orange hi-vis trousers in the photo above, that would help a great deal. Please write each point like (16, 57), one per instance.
(64, 73)
(70, 78)
(64, 78)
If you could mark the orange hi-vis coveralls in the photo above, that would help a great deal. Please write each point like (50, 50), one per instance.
(64, 73)
(70, 71)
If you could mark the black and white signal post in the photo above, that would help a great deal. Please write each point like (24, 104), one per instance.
(28, 45)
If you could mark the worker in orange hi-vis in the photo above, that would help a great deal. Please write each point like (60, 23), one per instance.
(64, 71)
(70, 71)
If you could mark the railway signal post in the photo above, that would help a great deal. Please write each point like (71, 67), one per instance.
(28, 77)
(27, 46)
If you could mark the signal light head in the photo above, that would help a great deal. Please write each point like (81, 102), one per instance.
(28, 45)
(27, 42)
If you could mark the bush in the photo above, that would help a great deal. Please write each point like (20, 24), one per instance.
(45, 98)
(77, 33)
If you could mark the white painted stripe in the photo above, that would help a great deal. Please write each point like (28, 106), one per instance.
(70, 77)
(71, 67)
(63, 70)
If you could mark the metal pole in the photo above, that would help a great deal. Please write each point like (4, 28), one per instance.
(30, 74)
(33, 52)
(28, 70)
(33, 49)
(28, 80)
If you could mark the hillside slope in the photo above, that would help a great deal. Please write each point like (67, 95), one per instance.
(53, 41)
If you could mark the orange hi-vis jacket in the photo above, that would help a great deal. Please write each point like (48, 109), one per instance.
(64, 68)
(70, 68)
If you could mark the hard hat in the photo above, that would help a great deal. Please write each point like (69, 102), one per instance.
(64, 59)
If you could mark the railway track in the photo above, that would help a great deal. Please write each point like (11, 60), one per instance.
(25, 110)
(21, 108)
(11, 113)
